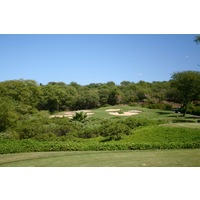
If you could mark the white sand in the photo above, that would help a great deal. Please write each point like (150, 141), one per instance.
(124, 114)
(113, 110)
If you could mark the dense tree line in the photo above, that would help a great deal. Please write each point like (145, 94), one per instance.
(28, 96)
(59, 96)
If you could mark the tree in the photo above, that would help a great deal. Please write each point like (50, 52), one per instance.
(186, 86)
(23, 91)
(115, 97)
(80, 116)
(87, 99)
(197, 39)
(57, 97)
(8, 115)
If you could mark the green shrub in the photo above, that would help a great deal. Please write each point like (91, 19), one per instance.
(133, 122)
(120, 112)
(45, 137)
(10, 134)
(134, 104)
(114, 130)
(80, 116)
(161, 106)
(193, 109)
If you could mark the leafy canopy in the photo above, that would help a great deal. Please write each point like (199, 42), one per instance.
(186, 86)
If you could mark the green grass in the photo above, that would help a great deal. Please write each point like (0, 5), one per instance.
(101, 113)
(183, 125)
(147, 158)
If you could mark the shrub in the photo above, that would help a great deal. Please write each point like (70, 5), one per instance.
(80, 116)
(161, 106)
(133, 122)
(12, 135)
(120, 112)
(192, 109)
(114, 130)
(45, 137)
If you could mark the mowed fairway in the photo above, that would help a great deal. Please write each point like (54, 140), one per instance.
(141, 158)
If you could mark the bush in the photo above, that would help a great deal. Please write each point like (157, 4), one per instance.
(114, 130)
(133, 104)
(12, 135)
(120, 112)
(45, 137)
(192, 109)
(159, 106)
(80, 116)
(133, 122)
(36, 127)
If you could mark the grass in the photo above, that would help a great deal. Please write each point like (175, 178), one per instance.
(183, 125)
(157, 114)
(142, 158)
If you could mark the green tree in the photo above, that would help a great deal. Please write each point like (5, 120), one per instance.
(87, 99)
(186, 86)
(57, 97)
(197, 39)
(115, 97)
(23, 91)
(8, 115)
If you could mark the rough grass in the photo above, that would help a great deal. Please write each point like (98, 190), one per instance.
(147, 158)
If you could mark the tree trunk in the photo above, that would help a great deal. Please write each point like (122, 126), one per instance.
(185, 106)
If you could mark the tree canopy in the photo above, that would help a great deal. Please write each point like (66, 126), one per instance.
(186, 86)
(197, 39)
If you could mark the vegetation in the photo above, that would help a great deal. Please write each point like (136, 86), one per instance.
(31, 115)
(186, 85)
(197, 39)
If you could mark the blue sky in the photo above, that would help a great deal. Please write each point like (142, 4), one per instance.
(85, 58)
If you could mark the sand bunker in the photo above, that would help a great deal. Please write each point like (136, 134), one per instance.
(113, 110)
(124, 114)
(129, 113)
(70, 114)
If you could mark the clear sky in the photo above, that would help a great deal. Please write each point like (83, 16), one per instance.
(96, 58)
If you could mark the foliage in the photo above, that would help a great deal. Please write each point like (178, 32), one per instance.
(114, 130)
(41, 127)
(25, 119)
(197, 39)
(80, 116)
(24, 91)
(161, 106)
(186, 86)
(59, 96)
(8, 115)
(149, 137)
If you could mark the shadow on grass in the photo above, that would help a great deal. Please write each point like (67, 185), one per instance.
(164, 113)
(192, 117)
(106, 140)
(172, 114)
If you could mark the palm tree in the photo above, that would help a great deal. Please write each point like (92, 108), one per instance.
(80, 116)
